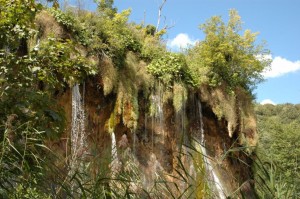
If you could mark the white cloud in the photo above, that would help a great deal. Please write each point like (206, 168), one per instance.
(182, 40)
(281, 66)
(267, 101)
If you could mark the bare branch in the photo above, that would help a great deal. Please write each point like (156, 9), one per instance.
(159, 14)
(167, 27)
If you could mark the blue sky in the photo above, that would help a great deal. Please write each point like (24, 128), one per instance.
(277, 21)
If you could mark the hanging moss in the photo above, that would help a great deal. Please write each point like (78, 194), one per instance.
(130, 112)
(109, 75)
(152, 108)
(179, 96)
(113, 121)
(127, 88)
(158, 97)
(223, 105)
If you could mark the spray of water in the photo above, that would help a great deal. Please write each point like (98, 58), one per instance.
(78, 137)
(115, 163)
(158, 114)
(208, 164)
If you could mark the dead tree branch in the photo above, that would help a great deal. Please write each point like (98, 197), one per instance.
(159, 13)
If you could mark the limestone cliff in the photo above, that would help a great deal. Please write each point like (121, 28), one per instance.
(170, 133)
(161, 143)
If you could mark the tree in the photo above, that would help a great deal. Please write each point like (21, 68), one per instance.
(279, 128)
(159, 13)
(55, 3)
(106, 7)
(30, 79)
(16, 23)
(225, 56)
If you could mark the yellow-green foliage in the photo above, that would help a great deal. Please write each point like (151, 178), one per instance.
(56, 58)
(127, 104)
(169, 67)
(202, 186)
(47, 25)
(167, 95)
(198, 69)
(132, 77)
(109, 75)
(152, 47)
(113, 121)
(249, 136)
(118, 37)
(28, 192)
(225, 56)
(179, 96)
(237, 109)
(223, 105)
(142, 79)
(152, 107)
(16, 21)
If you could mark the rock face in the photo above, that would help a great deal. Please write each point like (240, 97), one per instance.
(165, 143)
(172, 142)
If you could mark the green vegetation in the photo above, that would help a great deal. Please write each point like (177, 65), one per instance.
(169, 68)
(278, 150)
(45, 51)
(225, 56)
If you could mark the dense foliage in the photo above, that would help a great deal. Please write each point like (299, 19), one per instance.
(37, 64)
(30, 77)
(226, 57)
(279, 149)
(169, 68)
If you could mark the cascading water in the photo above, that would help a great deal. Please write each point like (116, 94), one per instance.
(114, 154)
(216, 183)
(160, 108)
(78, 137)
(182, 120)
(157, 112)
(152, 132)
(187, 169)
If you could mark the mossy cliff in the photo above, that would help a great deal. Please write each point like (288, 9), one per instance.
(166, 115)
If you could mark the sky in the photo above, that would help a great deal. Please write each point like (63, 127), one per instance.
(277, 21)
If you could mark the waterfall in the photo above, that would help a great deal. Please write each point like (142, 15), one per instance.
(160, 113)
(208, 164)
(152, 133)
(183, 115)
(114, 155)
(78, 137)
(157, 114)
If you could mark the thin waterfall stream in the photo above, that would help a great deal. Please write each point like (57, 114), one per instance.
(157, 114)
(78, 137)
(160, 110)
(78, 134)
(114, 155)
(208, 164)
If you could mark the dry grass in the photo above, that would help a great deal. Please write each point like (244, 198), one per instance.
(109, 75)
(237, 109)
(223, 105)
(126, 82)
(179, 96)
(47, 25)
(138, 72)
